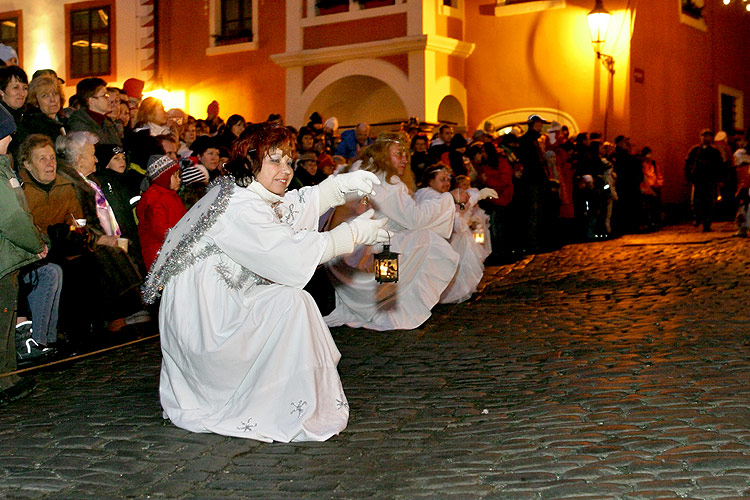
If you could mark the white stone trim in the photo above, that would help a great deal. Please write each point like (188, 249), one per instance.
(527, 7)
(520, 115)
(402, 45)
(375, 68)
(355, 12)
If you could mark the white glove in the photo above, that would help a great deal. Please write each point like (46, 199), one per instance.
(361, 181)
(368, 231)
(485, 193)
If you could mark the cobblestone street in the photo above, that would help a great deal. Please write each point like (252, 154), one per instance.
(609, 370)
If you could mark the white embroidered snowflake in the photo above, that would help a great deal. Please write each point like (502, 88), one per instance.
(298, 408)
(247, 426)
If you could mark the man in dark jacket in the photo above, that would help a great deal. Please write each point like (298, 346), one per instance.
(93, 116)
(534, 180)
(703, 169)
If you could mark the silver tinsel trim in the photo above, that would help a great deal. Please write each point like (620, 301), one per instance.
(245, 274)
(182, 257)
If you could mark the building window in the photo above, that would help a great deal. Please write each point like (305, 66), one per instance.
(233, 26)
(731, 107)
(236, 21)
(9, 29)
(90, 42)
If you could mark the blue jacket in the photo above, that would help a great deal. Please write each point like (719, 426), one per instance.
(348, 145)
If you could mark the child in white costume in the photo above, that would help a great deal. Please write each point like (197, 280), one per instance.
(437, 180)
(427, 263)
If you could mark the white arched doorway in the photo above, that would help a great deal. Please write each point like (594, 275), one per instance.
(451, 111)
(357, 98)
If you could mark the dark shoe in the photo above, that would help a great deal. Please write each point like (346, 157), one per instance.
(19, 390)
(32, 352)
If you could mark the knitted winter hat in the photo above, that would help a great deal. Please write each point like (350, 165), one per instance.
(194, 173)
(7, 124)
(7, 52)
(104, 154)
(160, 169)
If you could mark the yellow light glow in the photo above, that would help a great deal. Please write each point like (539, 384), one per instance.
(43, 57)
(10, 24)
(170, 99)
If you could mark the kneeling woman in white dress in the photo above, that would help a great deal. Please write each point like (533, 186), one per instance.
(245, 350)
(437, 181)
(427, 262)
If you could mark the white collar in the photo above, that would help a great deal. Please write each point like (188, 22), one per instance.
(264, 193)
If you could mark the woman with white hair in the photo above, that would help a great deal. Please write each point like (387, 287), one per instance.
(77, 149)
(120, 277)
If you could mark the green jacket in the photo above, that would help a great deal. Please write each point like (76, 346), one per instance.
(20, 240)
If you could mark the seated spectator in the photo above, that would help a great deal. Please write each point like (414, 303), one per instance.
(160, 208)
(441, 143)
(305, 171)
(418, 232)
(234, 127)
(189, 134)
(112, 176)
(51, 196)
(152, 122)
(8, 55)
(419, 155)
(352, 141)
(194, 182)
(44, 106)
(206, 150)
(92, 117)
(305, 141)
(14, 87)
(168, 145)
(118, 275)
(437, 181)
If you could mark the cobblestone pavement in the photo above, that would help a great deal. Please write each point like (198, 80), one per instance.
(609, 370)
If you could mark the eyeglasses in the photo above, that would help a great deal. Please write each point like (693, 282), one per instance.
(100, 96)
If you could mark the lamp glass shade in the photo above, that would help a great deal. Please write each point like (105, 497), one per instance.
(385, 265)
(598, 23)
(479, 236)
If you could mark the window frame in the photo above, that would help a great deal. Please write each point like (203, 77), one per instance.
(90, 5)
(223, 38)
(18, 16)
(217, 44)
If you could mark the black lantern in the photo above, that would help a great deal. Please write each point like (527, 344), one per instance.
(385, 265)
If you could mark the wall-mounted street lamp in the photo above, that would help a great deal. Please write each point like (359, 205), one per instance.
(598, 23)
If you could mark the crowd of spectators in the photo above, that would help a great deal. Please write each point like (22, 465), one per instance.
(106, 173)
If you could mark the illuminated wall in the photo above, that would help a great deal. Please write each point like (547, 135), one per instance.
(44, 38)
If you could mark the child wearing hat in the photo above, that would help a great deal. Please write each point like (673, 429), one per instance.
(160, 208)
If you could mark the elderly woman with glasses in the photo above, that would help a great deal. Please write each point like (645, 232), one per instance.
(419, 231)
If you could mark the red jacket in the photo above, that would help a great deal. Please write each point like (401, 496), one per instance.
(499, 179)
(158, 210)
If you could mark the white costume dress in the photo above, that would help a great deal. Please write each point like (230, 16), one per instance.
(427, 263)
(471, 264)
(245, 350)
